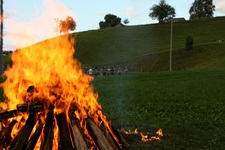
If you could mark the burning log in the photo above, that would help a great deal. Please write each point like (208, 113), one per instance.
(78, 138)
(5, 138)
(121, 138)
(33, 107)
(112, 141)
(71, 133)
(34, 138)
(16, 138)
(99, 136)
(25, 133)
(8, 114)
(65, 137)
(48, 131)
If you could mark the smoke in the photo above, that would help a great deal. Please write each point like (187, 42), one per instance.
(38, 27)
(220, 7)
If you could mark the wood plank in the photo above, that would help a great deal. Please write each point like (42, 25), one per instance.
(65, 136)
(111, 141)
(25, 132)
(100, 138)
(122, 140)
(78, 138)
(34, 138)
(48, 132)
(5, 137)
(15, 140)
(8, 114)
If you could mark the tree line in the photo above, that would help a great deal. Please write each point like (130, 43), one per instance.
(160, 12)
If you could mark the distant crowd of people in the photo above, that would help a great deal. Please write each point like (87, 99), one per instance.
(105, 71)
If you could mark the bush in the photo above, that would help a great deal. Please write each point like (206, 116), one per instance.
(189, 43)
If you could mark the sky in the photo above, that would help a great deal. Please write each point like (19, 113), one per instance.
(30, 21)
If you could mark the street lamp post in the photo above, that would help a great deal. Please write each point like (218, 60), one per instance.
(171, 42)
(1, 37)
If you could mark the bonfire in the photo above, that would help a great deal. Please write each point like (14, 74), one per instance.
(47, 93)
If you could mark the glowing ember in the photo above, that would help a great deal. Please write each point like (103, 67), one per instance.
(158, 136)
(56, 80)
(131, 132)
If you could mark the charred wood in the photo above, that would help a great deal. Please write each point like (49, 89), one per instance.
(8, 114)
(64, 132)
(34, 138)
(71, 135)
(33, 107)
(124, 143)
(15, 140)
(98, 136)
(25, 133)
(48, 131)
(78, 138)
(6, 138)
(30, 107)
(112, 141)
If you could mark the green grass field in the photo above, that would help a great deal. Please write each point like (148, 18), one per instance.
(188, 105)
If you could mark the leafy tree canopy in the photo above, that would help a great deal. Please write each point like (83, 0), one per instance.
(110, 21)
(126, 21)
(201, 9)
(67, 25)
(162, 11)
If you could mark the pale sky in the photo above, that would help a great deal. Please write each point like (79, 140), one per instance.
(29, 21)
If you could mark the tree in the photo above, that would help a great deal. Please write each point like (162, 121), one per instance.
(201, 9)
(67, 25)
(162, 11)
(189, 43)
(126, 21)
(110, 21)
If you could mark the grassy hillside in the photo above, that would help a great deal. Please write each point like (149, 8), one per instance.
(146, 47)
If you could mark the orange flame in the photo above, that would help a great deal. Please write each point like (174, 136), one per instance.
(145, 138)
(58, 80)
(51, 69)
(158, 136)
(131, 132)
